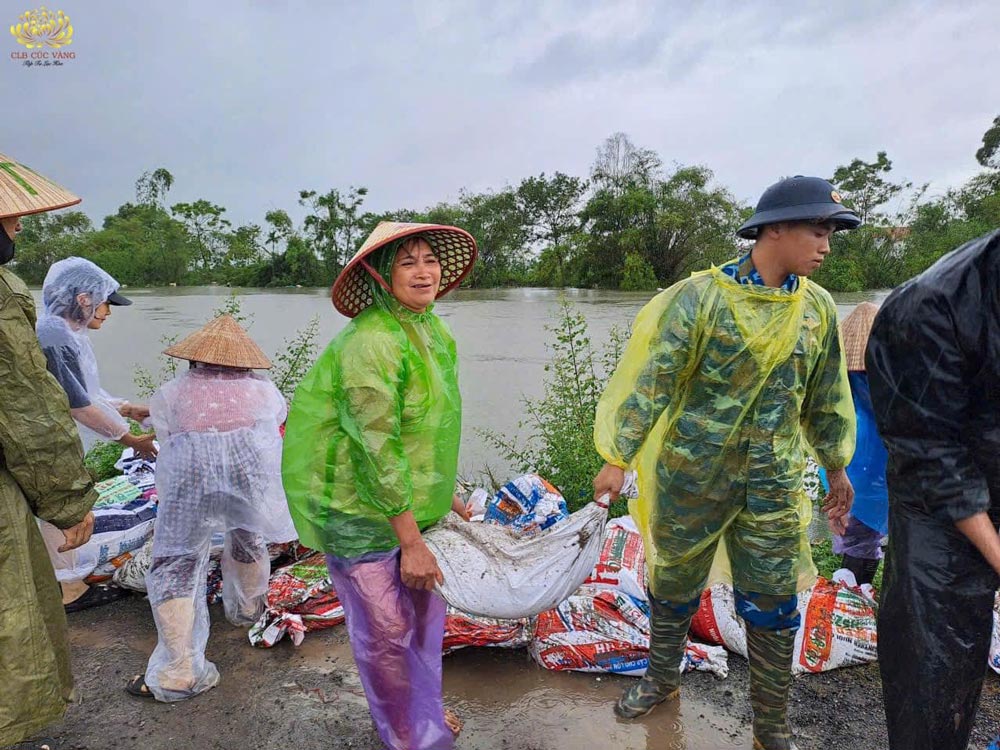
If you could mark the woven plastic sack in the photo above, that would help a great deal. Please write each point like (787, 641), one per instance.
(838, 626)
(492, 571)
(621, 565)
(461, 630)
(600, 630)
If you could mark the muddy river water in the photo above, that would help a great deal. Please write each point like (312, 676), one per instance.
(500, 334)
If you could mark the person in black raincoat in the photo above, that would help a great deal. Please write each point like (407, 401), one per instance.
(933, 363)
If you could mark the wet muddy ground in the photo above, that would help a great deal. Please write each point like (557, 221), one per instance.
(310, 698)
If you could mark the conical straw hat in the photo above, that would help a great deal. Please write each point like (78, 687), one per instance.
(455, 249)
(221, 342)
(23, 191)
(855, 331)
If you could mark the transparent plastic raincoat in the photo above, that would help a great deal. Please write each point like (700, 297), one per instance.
(722, 391)
(218, 470)
(374, 429)
(71, 293)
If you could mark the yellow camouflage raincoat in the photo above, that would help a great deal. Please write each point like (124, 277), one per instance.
(722, 391)
(41, 474)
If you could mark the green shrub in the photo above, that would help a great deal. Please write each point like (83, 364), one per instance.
(559, 426)
(637, 275)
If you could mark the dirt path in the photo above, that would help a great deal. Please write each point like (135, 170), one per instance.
(310, 699)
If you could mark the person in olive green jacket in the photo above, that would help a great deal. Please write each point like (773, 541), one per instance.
(41, 474)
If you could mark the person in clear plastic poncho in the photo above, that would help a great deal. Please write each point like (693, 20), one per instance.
(77, 296)
(218, 471)
(370, 460)
(730, 378)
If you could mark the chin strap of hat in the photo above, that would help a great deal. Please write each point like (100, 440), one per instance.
(375, 275)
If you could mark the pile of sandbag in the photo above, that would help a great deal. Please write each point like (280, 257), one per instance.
(123, 523)
(300, 599)
(462, 630)
(520, 560)
(604, 625)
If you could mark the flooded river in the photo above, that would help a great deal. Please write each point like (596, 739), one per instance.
(500, 333)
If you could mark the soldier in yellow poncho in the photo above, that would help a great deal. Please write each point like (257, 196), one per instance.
(41, 474)
(370, 460)
(730, 378)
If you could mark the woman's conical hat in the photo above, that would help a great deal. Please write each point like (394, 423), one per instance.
(454, 247)
(23, 191)
(855, 331)
(222, 342)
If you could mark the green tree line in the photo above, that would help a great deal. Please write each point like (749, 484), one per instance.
(630, 224)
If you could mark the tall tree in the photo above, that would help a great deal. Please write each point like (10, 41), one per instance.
(550, 208)
(988, 155)
(865, 187)
(335, 225)
(152, 187)
(620, 164)
(209, 228)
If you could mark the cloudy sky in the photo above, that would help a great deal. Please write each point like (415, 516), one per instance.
(248, 102)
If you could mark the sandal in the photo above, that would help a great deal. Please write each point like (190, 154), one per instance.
(137, 686)
(454, 723)
(96, 596)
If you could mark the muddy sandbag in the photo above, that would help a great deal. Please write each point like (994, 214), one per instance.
(493, 571)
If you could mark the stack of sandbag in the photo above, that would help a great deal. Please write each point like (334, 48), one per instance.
(838, 624)
(526, 506)
(604, 625)
(123, 522)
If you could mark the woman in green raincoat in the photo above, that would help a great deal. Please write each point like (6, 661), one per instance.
(370, 460)
(730, 377)
(41, 474)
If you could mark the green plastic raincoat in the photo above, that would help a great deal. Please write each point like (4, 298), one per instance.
(374, 431)
(41, 474)
(721, 392)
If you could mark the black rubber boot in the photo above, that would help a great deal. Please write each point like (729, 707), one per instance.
(770, 653)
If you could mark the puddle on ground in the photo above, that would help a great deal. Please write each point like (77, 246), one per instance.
(507, 701)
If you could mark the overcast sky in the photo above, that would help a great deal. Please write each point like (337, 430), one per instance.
(246, 103)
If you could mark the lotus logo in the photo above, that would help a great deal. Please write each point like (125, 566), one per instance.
(43, 28)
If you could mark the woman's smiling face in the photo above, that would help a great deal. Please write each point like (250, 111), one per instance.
(416, 275)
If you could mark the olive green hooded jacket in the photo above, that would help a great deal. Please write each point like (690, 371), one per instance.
(41, 474)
